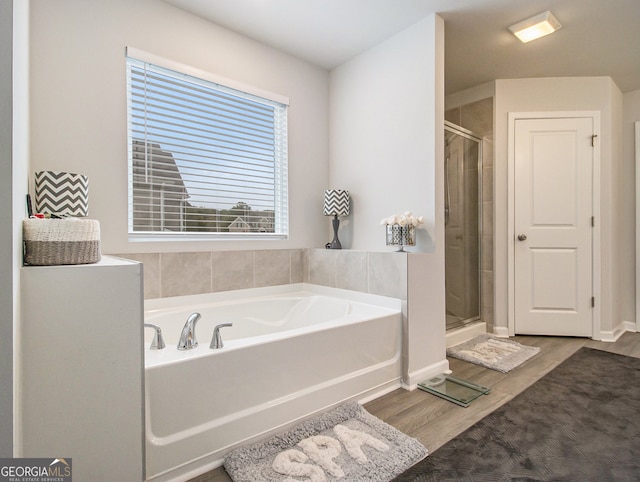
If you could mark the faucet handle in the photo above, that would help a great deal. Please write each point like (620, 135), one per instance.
(216, 341)
(158, 341)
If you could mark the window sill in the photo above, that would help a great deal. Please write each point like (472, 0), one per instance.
(191, 237)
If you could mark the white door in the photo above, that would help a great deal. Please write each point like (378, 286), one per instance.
(553, 226)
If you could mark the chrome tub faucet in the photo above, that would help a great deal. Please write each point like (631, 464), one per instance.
(188, 338)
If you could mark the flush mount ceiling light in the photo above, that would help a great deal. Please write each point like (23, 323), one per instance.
(535, 27)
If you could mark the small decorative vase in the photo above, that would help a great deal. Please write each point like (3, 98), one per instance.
(402, 236)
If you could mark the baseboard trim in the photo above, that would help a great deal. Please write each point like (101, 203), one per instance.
(415, 377)
(618, 331)
(501, 331)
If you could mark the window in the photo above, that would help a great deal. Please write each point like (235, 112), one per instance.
(205, 159)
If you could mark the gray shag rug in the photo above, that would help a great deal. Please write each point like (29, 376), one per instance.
(347, 444)
(580, 422)
(500, 354)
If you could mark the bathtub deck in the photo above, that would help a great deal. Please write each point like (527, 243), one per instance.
(434, 421)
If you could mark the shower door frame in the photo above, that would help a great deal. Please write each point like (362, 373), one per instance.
(467, 134)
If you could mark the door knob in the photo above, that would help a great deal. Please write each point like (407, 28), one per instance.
(522, 237)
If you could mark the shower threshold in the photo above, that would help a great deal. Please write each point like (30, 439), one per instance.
(465, 333)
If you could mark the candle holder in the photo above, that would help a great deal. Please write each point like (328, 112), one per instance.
(402, 236)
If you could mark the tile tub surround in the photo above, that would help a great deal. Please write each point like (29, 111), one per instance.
(370, 272)
(177, 274)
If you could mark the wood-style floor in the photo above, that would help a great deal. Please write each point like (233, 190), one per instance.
(435, 421)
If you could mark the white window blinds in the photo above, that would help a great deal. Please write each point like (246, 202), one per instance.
(203, 158)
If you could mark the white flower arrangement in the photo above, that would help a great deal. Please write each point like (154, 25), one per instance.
(405, 219)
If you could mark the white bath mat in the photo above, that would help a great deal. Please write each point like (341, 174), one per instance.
(346, 444)
(492, 352)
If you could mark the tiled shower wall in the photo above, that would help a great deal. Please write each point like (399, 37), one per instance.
(176, 274)
(478, 118)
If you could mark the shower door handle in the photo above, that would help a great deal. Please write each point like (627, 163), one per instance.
(522, 237)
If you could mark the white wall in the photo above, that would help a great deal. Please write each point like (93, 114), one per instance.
(564, 94)
(21, 157)
(631, 103)
(79, 105)
(383, 128)
(616, 209)
(14, 164)
(6, 235)
(386, 125)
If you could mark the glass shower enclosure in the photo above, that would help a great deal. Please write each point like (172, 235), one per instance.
(462, 215)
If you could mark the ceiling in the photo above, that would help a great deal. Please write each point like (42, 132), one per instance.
(597, 38)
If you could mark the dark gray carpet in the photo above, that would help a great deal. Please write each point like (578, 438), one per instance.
(580, 422)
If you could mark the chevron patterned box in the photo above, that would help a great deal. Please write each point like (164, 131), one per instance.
(61, 241)
(62, 193)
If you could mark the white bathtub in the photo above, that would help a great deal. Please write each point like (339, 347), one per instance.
(293, 351)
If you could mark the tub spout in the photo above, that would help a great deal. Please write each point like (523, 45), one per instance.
(188, 337)
(158, 341)
(216, 341)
